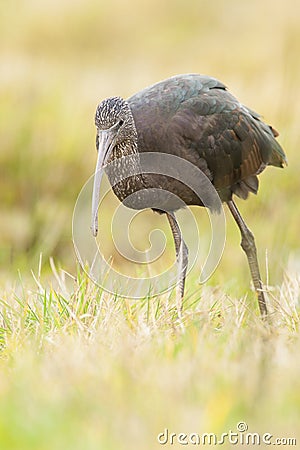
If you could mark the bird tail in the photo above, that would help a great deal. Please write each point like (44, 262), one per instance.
(277, 158)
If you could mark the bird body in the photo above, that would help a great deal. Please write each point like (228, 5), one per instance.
(193, 117)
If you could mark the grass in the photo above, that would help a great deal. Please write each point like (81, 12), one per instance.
(83, 369)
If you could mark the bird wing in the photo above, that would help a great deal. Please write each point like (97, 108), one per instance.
(195, 117)
(230, 138)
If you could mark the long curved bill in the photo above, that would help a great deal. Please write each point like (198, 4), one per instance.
(106, 139)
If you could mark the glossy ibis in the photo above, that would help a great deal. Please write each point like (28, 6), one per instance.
(194, 117)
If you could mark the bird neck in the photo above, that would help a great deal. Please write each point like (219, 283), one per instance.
(126, 165)
(126, 161)
(127, 146)
(124, 148)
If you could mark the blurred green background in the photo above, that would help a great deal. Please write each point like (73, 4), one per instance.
(80, 368)
(60, 58)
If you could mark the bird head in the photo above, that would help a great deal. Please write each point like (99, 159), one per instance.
(115, 127)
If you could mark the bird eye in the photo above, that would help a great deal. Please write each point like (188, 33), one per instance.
(121, 122)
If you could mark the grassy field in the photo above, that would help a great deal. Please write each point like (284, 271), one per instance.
(82, 369)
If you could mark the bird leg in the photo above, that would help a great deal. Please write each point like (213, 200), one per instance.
(248, 245)
(181, 256)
